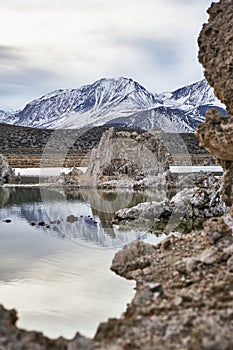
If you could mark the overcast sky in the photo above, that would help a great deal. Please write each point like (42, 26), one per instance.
(53, 44)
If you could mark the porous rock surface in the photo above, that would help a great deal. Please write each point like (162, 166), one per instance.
(183, 212)
(184, 296)
(71, 179)
(216, 55)
(216, 135)
(12, 338)
(7, 175)
(215, 51)
(128, 155)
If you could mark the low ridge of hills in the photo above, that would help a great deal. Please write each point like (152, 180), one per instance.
(24, 146)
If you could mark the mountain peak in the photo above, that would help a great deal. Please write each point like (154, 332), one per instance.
(118, 84)
(89, 105)
(193, 95)
(114, 84)
(116, 99)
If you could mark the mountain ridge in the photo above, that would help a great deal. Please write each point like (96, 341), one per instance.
(117, 101)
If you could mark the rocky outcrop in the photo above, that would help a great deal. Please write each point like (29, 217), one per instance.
(129, 159)
(183, 296)
(7, 175)
(129, 154)
(216, 135)
(185, 211)
(215, 51)
(73, 179)
(216, 55)
(12, 338)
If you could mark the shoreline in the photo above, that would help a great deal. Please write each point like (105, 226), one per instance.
(183, 292)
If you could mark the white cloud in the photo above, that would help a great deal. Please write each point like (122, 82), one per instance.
(79, 41)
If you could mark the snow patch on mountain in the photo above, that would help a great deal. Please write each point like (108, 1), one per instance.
(89, 105)
(118, 101)
(191, 96)
(6, 114)
(164, 118)
(181, 111)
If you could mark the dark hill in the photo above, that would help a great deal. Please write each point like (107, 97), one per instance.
(23, 146)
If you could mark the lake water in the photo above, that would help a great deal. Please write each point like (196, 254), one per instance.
(55, 255)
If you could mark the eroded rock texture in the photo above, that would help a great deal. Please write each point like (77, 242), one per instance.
(184, 212)
(216, 55)
(129, 154)
(216, 51)
(7, 175)
(12, 338)
(183, 296)
(216, 135)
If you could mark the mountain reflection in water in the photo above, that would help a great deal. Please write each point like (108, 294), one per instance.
(59, 287)
(84, 216)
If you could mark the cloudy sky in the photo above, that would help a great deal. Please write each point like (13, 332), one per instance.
(51, 44)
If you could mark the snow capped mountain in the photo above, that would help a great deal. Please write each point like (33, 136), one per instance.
(190, 96)
(118, 101)
(181, 111)
(5, 115)
(164, 118)
(89, 105)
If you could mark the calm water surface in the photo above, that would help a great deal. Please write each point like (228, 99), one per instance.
(55, 256)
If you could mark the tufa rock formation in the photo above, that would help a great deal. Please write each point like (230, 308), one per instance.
(216, 135)
(215, 51)
(216, 55)
(138, 160)
(12, 338)
(7, 175)
(184, 212)
(129, 154)
(183, 296)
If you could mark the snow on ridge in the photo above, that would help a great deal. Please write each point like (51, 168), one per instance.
(116, 98)
(192, 96)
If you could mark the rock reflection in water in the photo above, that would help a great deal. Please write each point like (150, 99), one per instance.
(91, 211)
